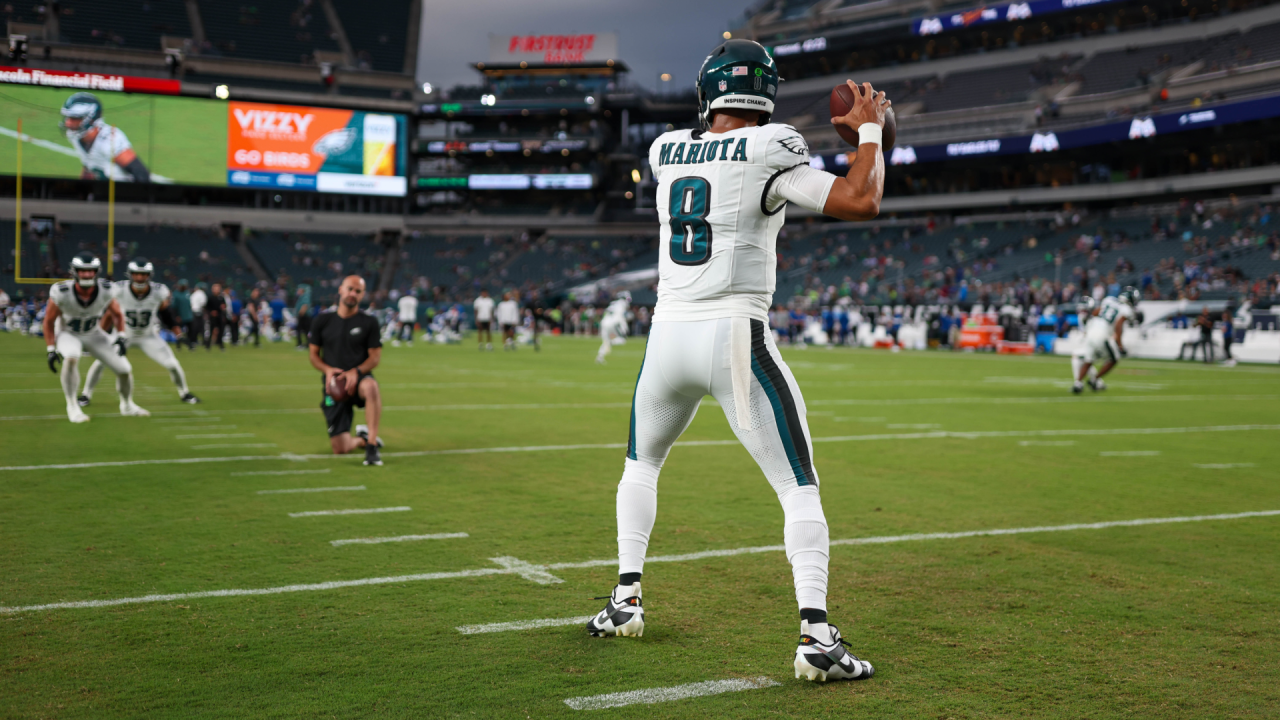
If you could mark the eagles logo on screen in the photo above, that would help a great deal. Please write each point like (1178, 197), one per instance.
(335, 142)
(795, 144)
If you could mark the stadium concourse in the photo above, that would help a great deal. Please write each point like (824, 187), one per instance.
(1037, 377)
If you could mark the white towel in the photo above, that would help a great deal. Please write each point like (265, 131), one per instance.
(740, 368)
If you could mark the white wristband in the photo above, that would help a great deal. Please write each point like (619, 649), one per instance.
(48, 348)
(870, 133)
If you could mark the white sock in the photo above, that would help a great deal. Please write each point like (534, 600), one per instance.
(637, 510)
(622, 592)
(70, 379)
(92, 377)
(124, 386)
(1075, 368)
(808, 544)
(179, 379)
(820, 632)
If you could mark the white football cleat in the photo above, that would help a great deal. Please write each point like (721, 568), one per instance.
(76, 415)
(132, 410)
(820, 660)
(622, 615)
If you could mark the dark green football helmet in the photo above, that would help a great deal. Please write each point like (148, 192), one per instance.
(84, 107)
(737, 74)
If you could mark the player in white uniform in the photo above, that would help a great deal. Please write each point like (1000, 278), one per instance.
(1103, 343)
(407, 315)
(145, 305)
(613, 326)
(104, 151)
(508, 316)
(85, 305)
(721, 195)
(483, 307)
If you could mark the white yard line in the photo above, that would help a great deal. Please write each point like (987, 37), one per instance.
(216, 446)
(1046, 443)
(281, 472)
(1222, 466)
(913, 426)
(213, 436)
(576, 406)
(200, 419)
(398, 538)
(667, 694)
(512, 568)
(355, 511)
(1129, 453)
(933, 435)
(522, 625)
(311, 490)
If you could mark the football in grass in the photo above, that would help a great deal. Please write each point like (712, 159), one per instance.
(842, 103)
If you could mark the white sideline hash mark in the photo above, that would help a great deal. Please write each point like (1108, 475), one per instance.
(281, 472)
(1222, 466)
(667, 694)
(1129, 453)
(311, 490)
(335, 584)
(231, 445)
(1046, 443)
(398, 538)
(522, 625)
(357, 511)
(213, 436)
(934, 435)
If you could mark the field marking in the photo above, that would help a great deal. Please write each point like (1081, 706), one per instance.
(526, 570)
(522, 625)
(398, 538)
(213, 436)
(1223, 466)
(1129, 453)
(511, 570)
(311, 490)
(354, 511)
(667, 694)
(1046, 443)
(552, 406)
(215, 446)
(281, 472)
(913, 426)
(197, 419)
(932, 435)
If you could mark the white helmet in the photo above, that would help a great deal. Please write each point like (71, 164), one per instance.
(624, 295)
(140, 265)
(85, 261)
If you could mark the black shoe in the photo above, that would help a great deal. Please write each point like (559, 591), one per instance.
(1077, 388)
(190, 399)
(371, 455)
(83, 401)
(823, 660)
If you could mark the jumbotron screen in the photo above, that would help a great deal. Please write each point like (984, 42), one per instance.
(193, 141)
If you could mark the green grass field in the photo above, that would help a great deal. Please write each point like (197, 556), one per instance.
(1170, 620)
(184, 139)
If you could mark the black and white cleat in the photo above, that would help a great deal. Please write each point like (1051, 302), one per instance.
(372, 456)
(823, 661)
(362, 432)
(622, 615)
(190, 399)
(83, 401)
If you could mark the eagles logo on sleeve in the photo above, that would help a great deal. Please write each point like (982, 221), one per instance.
(794, 144)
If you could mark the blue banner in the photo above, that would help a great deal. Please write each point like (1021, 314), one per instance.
(1137, 128)
(1009, 12)
(281, 181)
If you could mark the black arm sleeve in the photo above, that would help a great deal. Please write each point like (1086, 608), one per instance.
(167, 318)
(139, 171)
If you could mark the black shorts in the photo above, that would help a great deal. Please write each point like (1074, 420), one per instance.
(482, 325)
(508, 328)
(339, 415)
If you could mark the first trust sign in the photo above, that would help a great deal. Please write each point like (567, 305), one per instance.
(553, 49)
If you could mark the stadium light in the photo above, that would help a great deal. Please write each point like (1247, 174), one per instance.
(589, 100)
(222, 92)
(666, 77)
(426, 88)
(488, 100)
(727, 35)
(635, 175)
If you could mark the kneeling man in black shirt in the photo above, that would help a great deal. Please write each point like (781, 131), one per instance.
(351, 346)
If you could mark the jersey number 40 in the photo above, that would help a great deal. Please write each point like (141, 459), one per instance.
(689, 205)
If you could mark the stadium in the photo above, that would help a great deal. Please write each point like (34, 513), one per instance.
(1018, 313)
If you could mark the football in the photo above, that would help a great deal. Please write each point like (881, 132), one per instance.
(842, 103)
(336, 388)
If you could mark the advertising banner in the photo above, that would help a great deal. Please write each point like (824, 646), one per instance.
(553, 49)
(1008, 12)
(93, 82)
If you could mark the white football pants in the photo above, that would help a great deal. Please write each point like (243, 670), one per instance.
(155, 348)
(72, 346)
(736, 362)
(610, 328)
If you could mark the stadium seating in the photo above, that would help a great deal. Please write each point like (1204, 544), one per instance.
(132, 23)
(377, 32)
(277, 31)
(320, 259)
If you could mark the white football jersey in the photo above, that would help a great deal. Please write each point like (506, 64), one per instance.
(408, 308)
(78, 316)
(140, 313)
(618, 309)
(101, 155)
(719, 222)
(1101, 326)
(484, 309)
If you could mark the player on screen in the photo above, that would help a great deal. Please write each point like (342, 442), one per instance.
(86, 306)
(613, 326)
(104, 151)
(722, 191)
(1103, 343)
(146, 309)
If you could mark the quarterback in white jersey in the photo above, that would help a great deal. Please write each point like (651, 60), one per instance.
(613, 325)
(1103, 342)
(104, 151)
(722, 192)
(145, 305)
(73, 325)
